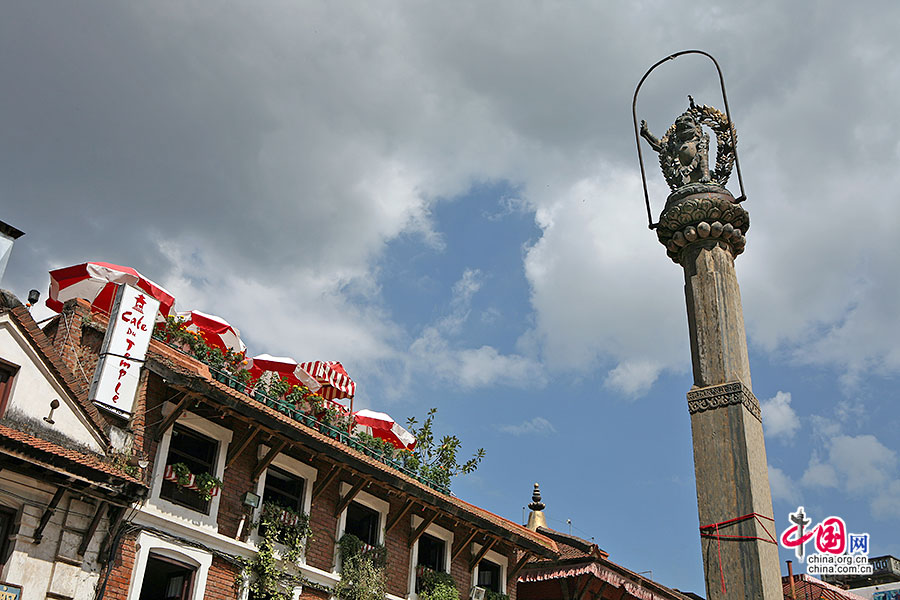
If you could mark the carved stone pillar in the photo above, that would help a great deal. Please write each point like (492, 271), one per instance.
(703, 232)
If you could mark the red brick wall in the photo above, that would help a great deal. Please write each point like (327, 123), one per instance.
(121, 570)
(511, 585)
(237, 483)
(320, 553)
(220, 580)
(398, 550)
(459, 568)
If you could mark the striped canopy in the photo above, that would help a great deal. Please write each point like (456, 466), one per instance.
(332, 377)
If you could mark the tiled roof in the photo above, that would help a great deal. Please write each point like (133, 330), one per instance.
(77, 389)
(579, 557)
(807, 586)
(190, 367)
(571, 547)
(31, 445)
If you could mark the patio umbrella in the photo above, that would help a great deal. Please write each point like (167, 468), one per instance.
(386, 428)
(97, 282)
(283, 366)
(216, 331)
(330, 374)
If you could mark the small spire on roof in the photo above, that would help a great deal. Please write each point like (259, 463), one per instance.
(536, 518)
(536, 503)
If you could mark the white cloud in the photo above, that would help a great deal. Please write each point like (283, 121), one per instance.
(886, 504)
(291, 157)
(863, 461)
(819, 474)
(779, 419)
(437, 352)
(857, 466)
(535, 426)
(783, 488)
(632, 378)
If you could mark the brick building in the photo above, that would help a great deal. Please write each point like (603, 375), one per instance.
(61, 489)
(185, 541)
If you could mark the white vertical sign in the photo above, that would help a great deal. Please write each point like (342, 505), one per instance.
(124, 349)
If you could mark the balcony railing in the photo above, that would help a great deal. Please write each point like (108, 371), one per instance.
(305, 418)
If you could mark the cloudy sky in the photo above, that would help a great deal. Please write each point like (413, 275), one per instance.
(445, 196)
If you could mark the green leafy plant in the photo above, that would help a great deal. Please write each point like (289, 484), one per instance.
(362, 570)
(435, 585)
(207, 484)
(202, 483)
(378, 445)
(492, 595)
(282, 526)
(183, 474)
(174, 331)
(437, 461)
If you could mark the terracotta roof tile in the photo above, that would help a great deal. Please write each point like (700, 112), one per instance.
(807, 586)
(90, 461)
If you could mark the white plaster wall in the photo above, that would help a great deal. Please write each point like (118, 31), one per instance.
(36, 566)
(34, 387)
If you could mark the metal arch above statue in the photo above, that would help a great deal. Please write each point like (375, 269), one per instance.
(699, 209)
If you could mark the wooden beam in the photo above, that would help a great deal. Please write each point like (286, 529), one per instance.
(236, 451)
(464, 545)
(267, 460)
(580, 590)
(45, 518)
(92, 528)
(564, 586)
(115, 523)
(350, 495)
(324, 483)
(421, 529)
(392, 522)
(484, 550)
(176, 412)
(519, 565)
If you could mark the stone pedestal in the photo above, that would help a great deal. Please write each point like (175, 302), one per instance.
(703, 233)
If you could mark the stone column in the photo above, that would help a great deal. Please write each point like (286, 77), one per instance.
(703, 232)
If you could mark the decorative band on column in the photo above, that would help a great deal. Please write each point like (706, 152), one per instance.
(717, 396)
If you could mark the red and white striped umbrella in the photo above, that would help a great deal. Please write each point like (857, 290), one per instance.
(283, 366)
(216, 331)
(382, 426)
(332, 377)
(97, 282)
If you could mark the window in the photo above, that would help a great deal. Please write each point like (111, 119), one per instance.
(431, 552)
(198, 453)
(431, 555)
(168, 570)
(7, 521)
(489, 576)
(166, 579)
(284, 489)
(364, 518)
(362, 522)
(7, 373)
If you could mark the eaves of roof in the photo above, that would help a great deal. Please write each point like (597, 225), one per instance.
(55, 457)
(190, 374)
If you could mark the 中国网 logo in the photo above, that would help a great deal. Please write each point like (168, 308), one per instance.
(838, 552)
